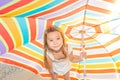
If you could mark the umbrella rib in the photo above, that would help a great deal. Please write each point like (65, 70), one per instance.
(106, 22)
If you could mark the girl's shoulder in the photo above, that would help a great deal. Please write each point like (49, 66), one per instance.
(49, 53)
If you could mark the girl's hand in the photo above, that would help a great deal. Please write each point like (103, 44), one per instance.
(83, 55)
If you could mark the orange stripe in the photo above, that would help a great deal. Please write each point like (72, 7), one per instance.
(95, 71)
(18, 64)
(117, 51)
(38, 44)
(100, 10)
(111, 1)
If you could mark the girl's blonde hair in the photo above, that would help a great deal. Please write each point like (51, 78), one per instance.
(48, 30)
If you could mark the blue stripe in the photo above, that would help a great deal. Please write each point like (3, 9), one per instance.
(99, 60)
(116, 58)
(46, 7)
(34, 48)
(24, 30)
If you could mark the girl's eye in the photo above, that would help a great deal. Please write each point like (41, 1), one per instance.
(58, 38)
(51, 40)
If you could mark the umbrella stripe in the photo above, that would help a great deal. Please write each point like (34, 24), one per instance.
(22, 54)
(97, 9)
(30, 6)
(100, 66)
(75, 11)
(19, 4)
(24, 29)
(55, 8)
(30, 52)
(4, 2)
(2, 47)
(45, 7)
(13, 30)
(115, 40)
(37, 43)
(41, 26)
(24, 61)
(99, 60)
(111, 1)
(50, 21)
(97, 71)
(95, 76)
(34, 48)
(32, 25)
(66, 15)
(8, 3)
(71, 12)
(13, 62)
(74, 8)
(5, 35)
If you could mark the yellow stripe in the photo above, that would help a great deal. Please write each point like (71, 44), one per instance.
(30, 52)
(33, 5)
(94, 66)
(118, 64)
(13, 30)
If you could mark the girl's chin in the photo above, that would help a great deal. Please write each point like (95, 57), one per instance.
(56, 50)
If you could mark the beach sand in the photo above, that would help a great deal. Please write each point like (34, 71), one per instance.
(10, 72)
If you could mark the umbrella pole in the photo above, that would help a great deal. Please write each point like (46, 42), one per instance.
(83, 50)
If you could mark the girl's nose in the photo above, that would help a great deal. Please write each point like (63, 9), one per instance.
(55, 42)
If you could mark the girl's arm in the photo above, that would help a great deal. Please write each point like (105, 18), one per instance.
(50, 69)
(75, 58)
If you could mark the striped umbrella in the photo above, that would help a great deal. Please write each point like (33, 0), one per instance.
(93, 23)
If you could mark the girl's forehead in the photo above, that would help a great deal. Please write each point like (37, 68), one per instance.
(53, 34)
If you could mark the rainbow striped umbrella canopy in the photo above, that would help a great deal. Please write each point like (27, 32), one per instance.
(93, 23)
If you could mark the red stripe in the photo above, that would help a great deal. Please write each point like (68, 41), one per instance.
(38, 44)
(50, 21)
(18, 64)
(14, 6)
(6, 37)
(32, 24)
(55, 8)
(27, 57)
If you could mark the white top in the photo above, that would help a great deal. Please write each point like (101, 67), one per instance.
(61, 66)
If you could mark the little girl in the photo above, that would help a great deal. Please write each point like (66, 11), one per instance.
(56, 57)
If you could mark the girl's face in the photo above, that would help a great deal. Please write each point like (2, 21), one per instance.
(54, 40)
